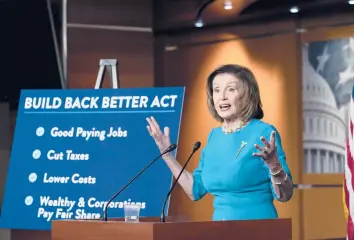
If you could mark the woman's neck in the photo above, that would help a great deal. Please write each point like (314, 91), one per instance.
(230, 126)
(231, 123)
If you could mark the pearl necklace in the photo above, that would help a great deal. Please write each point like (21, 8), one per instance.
(227, 130)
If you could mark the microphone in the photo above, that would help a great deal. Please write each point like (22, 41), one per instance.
(162, 215)
(169, 149)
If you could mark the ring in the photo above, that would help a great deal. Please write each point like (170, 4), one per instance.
(151, 133)
(264, 151)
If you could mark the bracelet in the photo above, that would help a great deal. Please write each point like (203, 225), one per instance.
(280, 182)
(277, 173)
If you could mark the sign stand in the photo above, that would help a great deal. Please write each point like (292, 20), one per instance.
(111, 64)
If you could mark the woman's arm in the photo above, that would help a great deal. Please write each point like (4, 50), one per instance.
(186, 178)
(281, 182)
(275, 160)
(163, 141)
(190, 182)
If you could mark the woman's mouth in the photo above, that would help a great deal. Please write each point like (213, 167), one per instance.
(224, 107)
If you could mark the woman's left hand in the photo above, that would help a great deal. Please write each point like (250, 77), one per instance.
(268, 152)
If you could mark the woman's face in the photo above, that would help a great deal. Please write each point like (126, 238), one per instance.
(227, 91)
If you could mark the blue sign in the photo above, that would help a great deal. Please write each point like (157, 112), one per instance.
(74, 149)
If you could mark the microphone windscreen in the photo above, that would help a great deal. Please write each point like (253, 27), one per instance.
(171, 148)
(197, 146)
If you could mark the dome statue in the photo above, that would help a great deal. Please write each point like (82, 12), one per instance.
(323, 128)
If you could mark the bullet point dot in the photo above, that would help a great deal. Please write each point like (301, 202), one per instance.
(40, 131)
(36, 154)
(32, 177)
(28, 200)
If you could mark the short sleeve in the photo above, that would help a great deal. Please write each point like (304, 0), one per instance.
(281, 156)
(198, 189)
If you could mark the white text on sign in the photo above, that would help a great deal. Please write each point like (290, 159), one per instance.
(114, 102)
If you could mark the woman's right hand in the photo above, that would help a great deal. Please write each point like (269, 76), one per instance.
(161, 139)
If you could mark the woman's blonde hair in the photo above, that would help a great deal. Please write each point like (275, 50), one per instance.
(251, 106)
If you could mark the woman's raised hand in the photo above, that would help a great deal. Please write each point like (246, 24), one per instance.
(161, 139)
(269, 152)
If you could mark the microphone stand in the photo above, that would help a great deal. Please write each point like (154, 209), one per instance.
(169, 149)
(162, 215)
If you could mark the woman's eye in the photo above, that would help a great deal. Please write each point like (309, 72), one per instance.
(231, 89)
(216, 90)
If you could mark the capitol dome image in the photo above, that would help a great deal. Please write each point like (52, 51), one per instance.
(324, 127)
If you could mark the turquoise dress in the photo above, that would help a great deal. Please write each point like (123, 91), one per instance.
(239, 182)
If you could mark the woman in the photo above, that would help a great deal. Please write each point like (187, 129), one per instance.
(243, 164)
